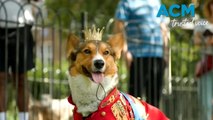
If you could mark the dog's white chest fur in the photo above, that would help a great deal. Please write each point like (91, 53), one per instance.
(87, 95)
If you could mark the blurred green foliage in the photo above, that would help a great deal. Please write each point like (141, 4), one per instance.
(184, 55)
(48, 79)
(99, 11)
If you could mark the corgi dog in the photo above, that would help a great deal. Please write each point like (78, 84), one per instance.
(93, 79)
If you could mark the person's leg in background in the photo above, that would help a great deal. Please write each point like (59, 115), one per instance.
(19, 66)
(26, 63)
(209, 85)
(147, 78)
(205, 94)
(154, 71)
(202, 97)
(24, 58)
(208, 82)
(3, 78)
(136, 84)
(212, 101)
(3, 96)
(133, 88)
(19, 56)
(159, 67)
(21, 84)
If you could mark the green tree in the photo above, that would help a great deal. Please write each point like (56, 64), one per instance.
(99, 11)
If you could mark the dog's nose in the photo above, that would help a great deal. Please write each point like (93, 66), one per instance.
(99, 64)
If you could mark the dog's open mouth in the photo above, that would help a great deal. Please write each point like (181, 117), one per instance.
(96, 77)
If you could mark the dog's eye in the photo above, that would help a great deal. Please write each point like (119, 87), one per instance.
(106, 52)
(87, 51)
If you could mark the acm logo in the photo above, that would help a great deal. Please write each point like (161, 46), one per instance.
(170, 12)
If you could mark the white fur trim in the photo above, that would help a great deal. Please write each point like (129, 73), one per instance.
(83, 91)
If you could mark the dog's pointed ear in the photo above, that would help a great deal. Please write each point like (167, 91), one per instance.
(71, 46)
(117, 43)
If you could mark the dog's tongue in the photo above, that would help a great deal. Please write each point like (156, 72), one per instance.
(97, 77)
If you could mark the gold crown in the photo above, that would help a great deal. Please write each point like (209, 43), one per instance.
(93, 34)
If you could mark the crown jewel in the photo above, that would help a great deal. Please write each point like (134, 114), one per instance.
(93, 34)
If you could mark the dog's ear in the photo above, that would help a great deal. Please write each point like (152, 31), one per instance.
(71, 46)
(117, 43)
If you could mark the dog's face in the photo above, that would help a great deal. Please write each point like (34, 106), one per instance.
(94, 59)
